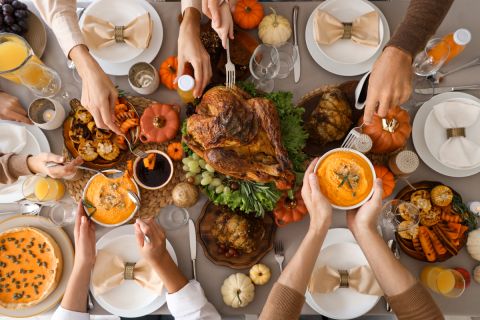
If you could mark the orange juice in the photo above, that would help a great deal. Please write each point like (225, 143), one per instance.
(453, 43)
(445, 281)
(185, 86)
(429, 276)
(48, 189)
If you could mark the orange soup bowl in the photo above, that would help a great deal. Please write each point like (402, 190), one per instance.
(346, 177)
(113, 206)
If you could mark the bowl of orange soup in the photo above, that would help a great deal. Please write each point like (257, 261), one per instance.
(346, 177)
(106, 200)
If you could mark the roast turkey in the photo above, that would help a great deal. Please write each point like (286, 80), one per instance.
(239, 136)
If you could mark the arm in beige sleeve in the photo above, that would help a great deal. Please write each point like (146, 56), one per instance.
(13, 166)
(197, 4)
(61, 17)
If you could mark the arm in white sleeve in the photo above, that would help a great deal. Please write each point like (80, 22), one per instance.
(190, 303)
(64, 314)
(61, 17)
(197, 4)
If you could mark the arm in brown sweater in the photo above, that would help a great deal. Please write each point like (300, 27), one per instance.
(13, 166)
(421, 21)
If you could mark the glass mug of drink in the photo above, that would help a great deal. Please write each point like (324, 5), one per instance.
(43, 189)
(447, 282)
(19, 64)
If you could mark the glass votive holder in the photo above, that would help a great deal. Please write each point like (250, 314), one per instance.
(46, 113)
(143, 78)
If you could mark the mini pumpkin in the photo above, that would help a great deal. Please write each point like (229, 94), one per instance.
(473, 244)
(159, 123)
(289, 210)
(389, 133)
(441, 196)
(260, 274)
(169, 70)
(175, 151)
(238, 290)
(274, 29)
(248, 14)
(388, 180)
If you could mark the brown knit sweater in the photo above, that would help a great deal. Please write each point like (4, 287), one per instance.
(420, 23)
(284, 303)
(13, 166)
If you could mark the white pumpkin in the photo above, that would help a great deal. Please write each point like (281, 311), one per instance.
(473, 244)
(238, 290)
(274, 29)
(260, 274)
(476, 274)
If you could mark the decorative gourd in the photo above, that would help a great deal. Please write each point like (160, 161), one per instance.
(473, 244)
(248, 14)
(185, 195)
(238, 290)
(175, 151)
(274, 29)
(476, 274)
(289, 210)
(260, 274)
(168, 72)
(389, 133)
(441, 196)
(388, 180)
(159, 123)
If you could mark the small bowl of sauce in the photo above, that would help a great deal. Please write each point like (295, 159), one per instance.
(156, 178)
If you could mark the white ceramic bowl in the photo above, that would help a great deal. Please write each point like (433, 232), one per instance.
(117, 224)
(371, 170)
(137, 180)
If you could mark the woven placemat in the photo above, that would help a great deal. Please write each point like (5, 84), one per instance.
(152, 200)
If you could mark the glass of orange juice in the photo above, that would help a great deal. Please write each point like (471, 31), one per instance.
(43, 189)
(447, 282)
(19, 64)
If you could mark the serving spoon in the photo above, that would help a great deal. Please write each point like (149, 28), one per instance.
(108, 175)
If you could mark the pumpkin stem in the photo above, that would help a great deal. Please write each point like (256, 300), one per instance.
(248, 9)
(172, 69)
(290, 194)
(390, 125)
(275, 23)
(159, 122)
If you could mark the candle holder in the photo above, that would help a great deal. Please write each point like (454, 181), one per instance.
(46, 113)
(143, 78)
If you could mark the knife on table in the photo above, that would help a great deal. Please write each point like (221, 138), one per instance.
(193, 246)
(447, 89)
(296, 65)
(392, 244)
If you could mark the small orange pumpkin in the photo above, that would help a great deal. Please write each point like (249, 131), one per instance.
(248, 14)
(388, 180)
(159, 123)
(168, 72)
(175, 151)
(389, 133)
(289, 210)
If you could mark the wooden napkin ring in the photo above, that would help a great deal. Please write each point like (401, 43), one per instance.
(118, 33)
(128, 272)
(347, 30)
(455, 132)
(343, 278)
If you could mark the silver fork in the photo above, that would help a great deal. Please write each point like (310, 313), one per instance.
(279, 255)
(135, 150)
(229, 69)
(357, 140)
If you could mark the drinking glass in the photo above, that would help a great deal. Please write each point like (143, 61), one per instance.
(396, 211)
(447, 282)
(43, 189)
(432, 58)
(172, 217)
(287, 56)
(60, 214)
(19, 64)
(264, 67)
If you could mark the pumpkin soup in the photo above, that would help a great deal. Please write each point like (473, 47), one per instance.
(345, 178)
(107, 200)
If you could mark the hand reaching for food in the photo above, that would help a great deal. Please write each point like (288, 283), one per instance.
(38, 164)
(224, 26)
(151, 240)
(390, 82)
(11, 109)
(365, 218)
(85, 242)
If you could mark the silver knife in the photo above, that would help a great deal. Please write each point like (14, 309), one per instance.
(296, 65)
(447, 89)
(392, 244)
(193, 246)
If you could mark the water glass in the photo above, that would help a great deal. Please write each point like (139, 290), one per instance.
(172, 217)
(396, 211)
(287, 57)
(264, 67)
(60, 214)
(432, 58)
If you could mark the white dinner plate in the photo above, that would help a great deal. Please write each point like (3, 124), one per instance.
(344, 303)
(128, 299)
(343, 69)
(437, 135)
(36, 142)
(118, 13)
(122, 68)
(418, 135)
(345, 51)
(66, 247)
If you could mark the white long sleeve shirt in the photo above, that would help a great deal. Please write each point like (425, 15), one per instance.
(189, 303)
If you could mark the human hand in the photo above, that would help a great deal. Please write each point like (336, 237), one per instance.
(98, 92)
(223, 26)
(155, 250)
(190, 49)
(211, 8)
(318, 206)
(390, 82)
(84, 235)
(11, 109)
(38, 164)
(365, 218)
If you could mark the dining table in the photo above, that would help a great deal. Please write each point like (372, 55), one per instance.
(464, 13)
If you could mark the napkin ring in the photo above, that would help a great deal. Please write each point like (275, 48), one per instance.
(128, 272)
(455, 132)
(343, 278)
(347, 30)
(118, 33)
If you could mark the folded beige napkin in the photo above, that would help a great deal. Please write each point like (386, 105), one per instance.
(99, 33)
(458, 151)
(361, 279)
(13, 138)
(363, 30)
(109, 272)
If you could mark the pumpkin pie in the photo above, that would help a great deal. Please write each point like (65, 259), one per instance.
(31, 267)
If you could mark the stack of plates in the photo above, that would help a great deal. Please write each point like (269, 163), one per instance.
(427, 128)
(117, 59)
(345, 57)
